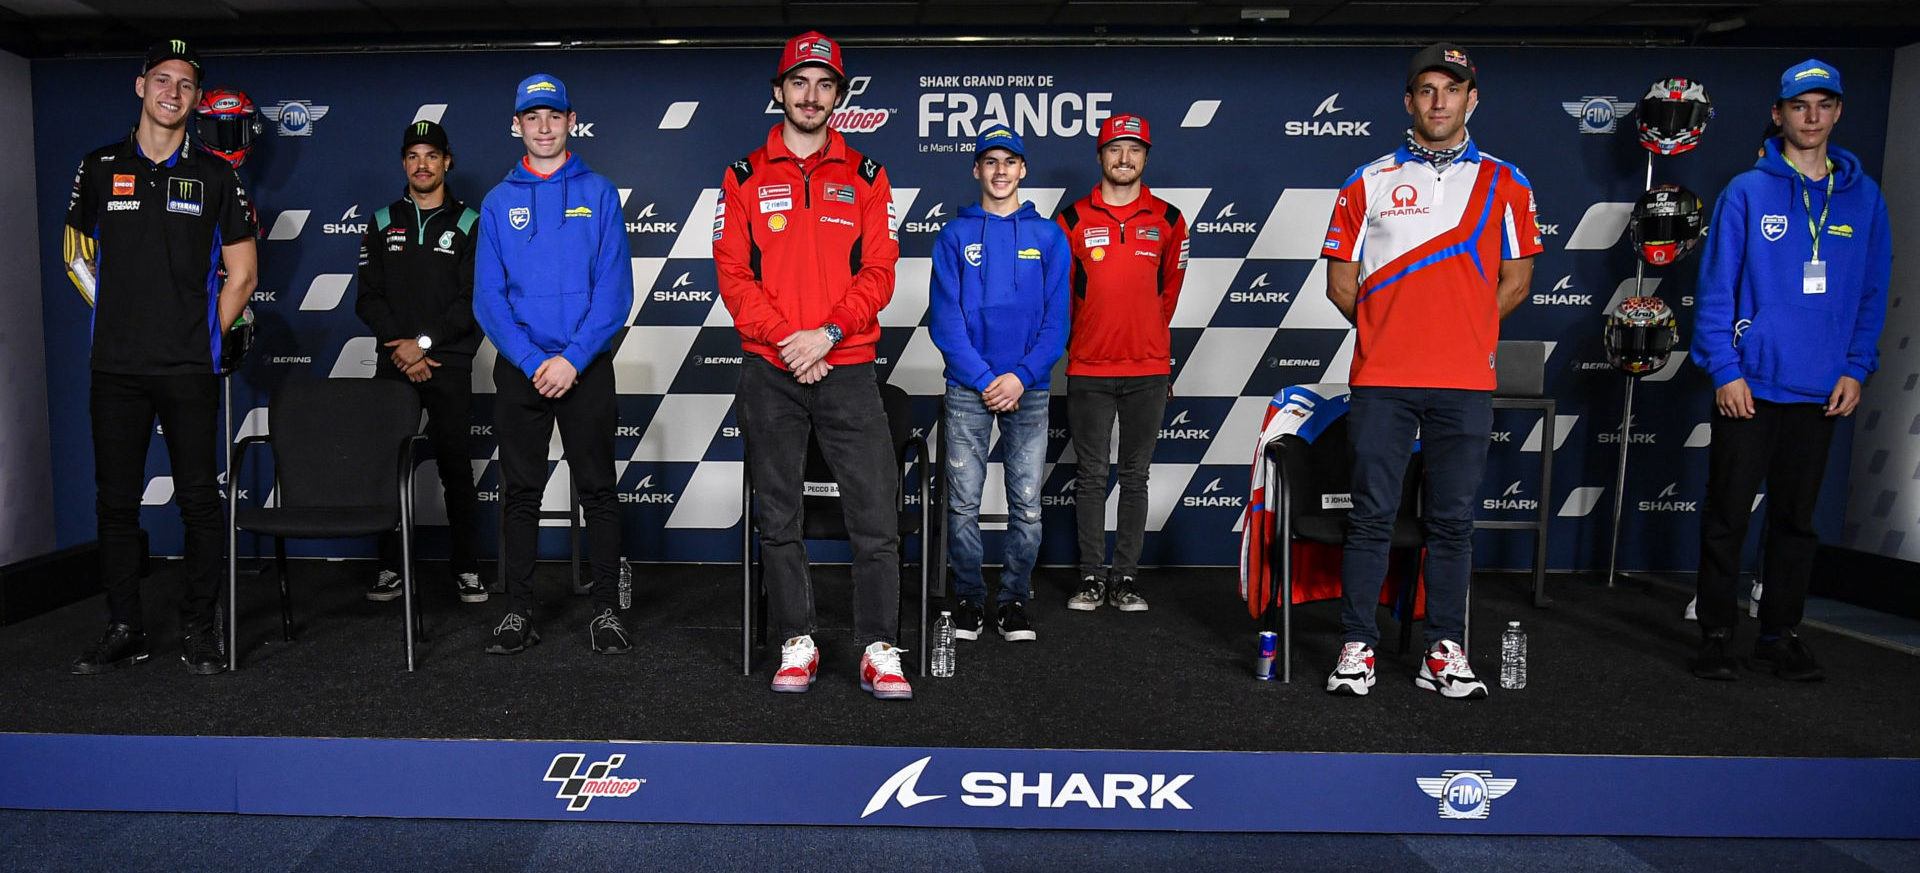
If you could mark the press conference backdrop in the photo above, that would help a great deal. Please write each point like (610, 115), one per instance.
(1251, 144)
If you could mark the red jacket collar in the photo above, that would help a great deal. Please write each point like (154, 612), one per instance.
(836, 148)
(1142, 203)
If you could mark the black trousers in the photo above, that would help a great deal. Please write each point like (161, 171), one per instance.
(1093, 403)
(123, 410)
(777, 414)
(523, 423)
(1786, 445)
(448, 399)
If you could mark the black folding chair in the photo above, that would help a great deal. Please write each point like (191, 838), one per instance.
(1310, 483)
(821, 519)
(342, 467)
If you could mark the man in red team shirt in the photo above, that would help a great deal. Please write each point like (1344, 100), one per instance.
(1129, 258)
(1429, 247)
(805, 245)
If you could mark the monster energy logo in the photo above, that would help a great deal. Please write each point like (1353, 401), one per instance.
(179, 45)
(420, 128)
(182, 188)
(183, 195)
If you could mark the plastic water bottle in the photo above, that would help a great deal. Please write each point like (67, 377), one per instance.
(1513, 656)
(626, 585)
(943, 646)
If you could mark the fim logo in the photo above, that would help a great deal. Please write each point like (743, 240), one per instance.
(294, 117)
(578, 788)
(1597, 114)
(1466, 794)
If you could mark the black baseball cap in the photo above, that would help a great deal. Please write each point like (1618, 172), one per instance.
(1445, 57)
(429, 132)
(172, 50)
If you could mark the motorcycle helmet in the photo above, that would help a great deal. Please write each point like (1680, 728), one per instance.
(1667, 222)
(1673, 115)
(1640, 335)
(226, 123)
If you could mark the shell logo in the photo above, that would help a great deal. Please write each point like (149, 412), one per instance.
(776, 222)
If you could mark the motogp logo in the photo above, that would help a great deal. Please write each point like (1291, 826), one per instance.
(579, 787)
(973, 254)
(1773, 227)
(519, 216)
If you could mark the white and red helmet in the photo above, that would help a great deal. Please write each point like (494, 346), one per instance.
(1673, 115)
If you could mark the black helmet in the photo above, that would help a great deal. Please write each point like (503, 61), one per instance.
(1673, 115)
(1640, 335)
(1668, 221)
(226, 123)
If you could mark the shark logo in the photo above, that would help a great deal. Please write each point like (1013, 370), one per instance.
(684, 280)
(1178, 419)
(1225, 212)
(1565, 283)
(645, 481)
(934, 212)
(900, 787)
(1511, 489)
(1672, 490)
(1328, 107)
(1211, 487)
(1259, 281)
(646, 211)
(351, 213)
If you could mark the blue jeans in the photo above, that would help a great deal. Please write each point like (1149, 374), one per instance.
(1454, 428)
(968, 429)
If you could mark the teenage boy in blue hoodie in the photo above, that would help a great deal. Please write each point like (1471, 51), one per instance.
(1792, 296)
(1000, 314)
(551, 286)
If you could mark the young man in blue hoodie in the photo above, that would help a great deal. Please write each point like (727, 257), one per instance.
(1000, 314)
(1792, 296)
(551, 286)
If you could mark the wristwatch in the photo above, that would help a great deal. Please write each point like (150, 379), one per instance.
(833, 332)
(426, 342)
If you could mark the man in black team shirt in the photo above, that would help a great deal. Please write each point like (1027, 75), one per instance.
(150, 222)
(416, 293)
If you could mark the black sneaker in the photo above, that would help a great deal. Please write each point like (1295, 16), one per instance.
(120, 646)
(1713, 662)
(1092, 593)
(1125, 597)
(1788, 657)
(201, 651)
(1011, 621)
(384, 587)
(469, 587)
(609, 634)
(513, 635)
(968, 618)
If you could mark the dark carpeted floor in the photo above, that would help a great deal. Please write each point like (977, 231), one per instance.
(1607, 677)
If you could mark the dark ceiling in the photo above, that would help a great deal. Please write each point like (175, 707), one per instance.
(52, 28)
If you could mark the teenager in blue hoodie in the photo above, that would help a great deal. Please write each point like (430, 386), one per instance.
(1792, 296)
(551, 286)
(999, 315)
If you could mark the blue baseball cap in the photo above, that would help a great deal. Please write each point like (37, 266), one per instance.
(539, 90)
(999, 136)
(1811, 74)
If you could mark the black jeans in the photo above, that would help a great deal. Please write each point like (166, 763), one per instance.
(123, 410)
(448, 399)
(1455, 427)
(523, 422)
(844, 412)
(1785, 444)
(1140, 402)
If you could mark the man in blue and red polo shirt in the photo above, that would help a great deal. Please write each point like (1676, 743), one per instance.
(1429, 247)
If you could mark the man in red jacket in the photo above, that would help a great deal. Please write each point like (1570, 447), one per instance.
(1129, 258)
(805, 243)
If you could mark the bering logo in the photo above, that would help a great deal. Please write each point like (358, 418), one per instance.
(992, 789)
(579, 787)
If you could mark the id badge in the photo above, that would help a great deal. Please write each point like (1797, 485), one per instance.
(1813, 278)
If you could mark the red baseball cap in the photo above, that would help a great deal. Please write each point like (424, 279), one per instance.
(811, 47)
(1125, 127)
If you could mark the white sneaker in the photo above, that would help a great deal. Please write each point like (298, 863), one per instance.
(1445, 670)
(1353, 675)
(799, 663)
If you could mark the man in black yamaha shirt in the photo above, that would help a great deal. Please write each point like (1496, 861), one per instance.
(150, 222)
(416, 293)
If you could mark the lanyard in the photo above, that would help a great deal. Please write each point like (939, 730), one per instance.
(1807, 201)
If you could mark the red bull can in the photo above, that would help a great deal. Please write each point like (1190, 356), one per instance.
(1263, 665)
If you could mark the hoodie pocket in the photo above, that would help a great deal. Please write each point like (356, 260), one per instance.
(1794, 346)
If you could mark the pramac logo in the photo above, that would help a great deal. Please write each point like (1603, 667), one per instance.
(1406, 201)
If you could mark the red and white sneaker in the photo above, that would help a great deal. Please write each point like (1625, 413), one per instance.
(799, 663)
(1354, 674)
(880, 673)
(1445, 670)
